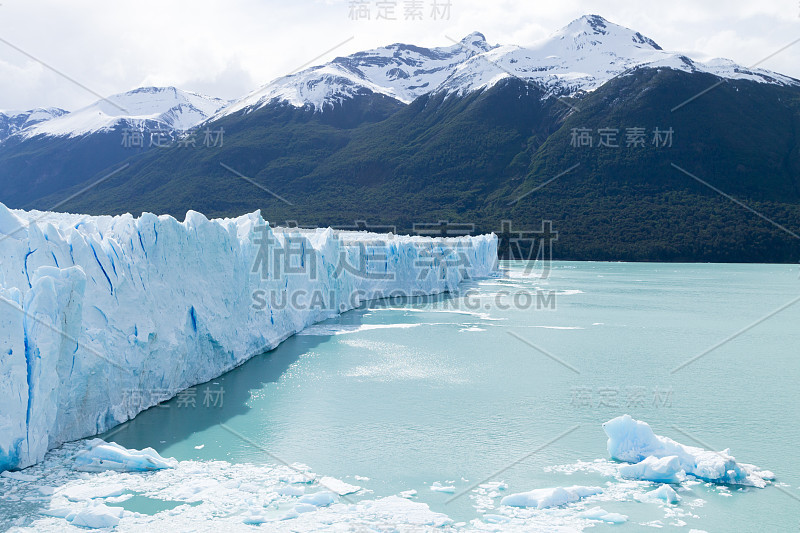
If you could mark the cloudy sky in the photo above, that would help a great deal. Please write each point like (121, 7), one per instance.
(226, 48)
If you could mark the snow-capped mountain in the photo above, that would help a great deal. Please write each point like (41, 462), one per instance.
(13, 121)
(400, 71)
(583, 56)
(578, 58)
(147, 108)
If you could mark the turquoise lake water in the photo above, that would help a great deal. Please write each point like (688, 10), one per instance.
(455, 388)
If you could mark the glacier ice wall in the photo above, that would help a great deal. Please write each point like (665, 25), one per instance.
(104, 317)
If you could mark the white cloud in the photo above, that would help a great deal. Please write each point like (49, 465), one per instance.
(228, 48)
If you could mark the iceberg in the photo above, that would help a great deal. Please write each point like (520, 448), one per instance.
(661, 470)
(338, 486)
(633, 441)
(318, 499)
(103, 456)
(663, 493)
(106, 316)
(598, 513)
(554, 497)
(94, 515)
(438, 487)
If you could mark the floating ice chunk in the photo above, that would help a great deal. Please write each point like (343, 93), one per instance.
(200, 447)
(415, 516)
(82, 492)
(598, 513)
(495, 519)
(633, 441)
(494, 485)
(408, 493)
(102, 456)
(291, 490)
(58, 512)
(543, 498)
(300, 477)
(438, 487)
(305, 508)
(319, 499)
(664, 493)
(19, 476)
(339, 487)
(661, 470)
(255, 519)
(96, 515)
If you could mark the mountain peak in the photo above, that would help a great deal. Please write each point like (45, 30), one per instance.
(594, 30)
(597, 23)
(579, 58)
(476, 40)
(475, 36)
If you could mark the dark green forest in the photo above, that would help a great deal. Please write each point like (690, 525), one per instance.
(475, 159)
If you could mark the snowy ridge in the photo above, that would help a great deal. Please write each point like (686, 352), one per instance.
(12, 122)
(400, 71)
(583, 56)
(576, 59)
(145, 108)
(107, 316)
(579, 58)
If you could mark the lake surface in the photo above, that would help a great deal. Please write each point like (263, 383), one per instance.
(499, 384)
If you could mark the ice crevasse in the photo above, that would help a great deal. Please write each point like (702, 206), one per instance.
(97, 313)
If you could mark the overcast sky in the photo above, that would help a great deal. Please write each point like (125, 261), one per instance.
(226, 48)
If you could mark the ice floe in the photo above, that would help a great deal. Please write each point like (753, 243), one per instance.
(339, 487)
(663, 493)
(598, 513)
(438, 487)
(551, 497)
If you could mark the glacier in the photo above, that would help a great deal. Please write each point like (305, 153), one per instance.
(105, 316)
